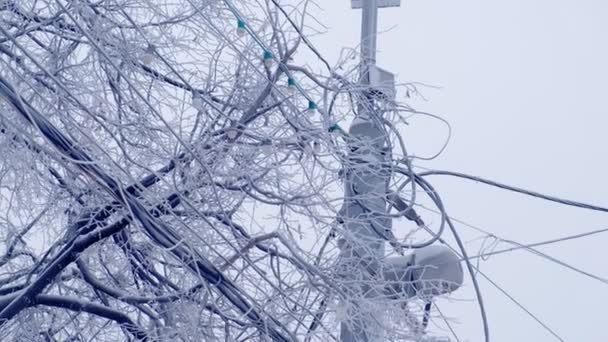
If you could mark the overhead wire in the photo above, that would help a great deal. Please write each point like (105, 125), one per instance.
(461, 248)
(503, 186)
(528, 247)
(477, 271)
(515, 189)
(536, 244)
(469, 265)
(521, 306)
(447, 323)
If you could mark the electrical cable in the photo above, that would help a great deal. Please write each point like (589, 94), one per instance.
(515, 189)
(467, 261)
(529, 247)
(536, 244)
(447, 323)
(521, 306)
(464, 253)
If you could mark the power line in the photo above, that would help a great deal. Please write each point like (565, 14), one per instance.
(521, 306)
(516, 302)
(446, 217)
(446, 322)
(515, 189)
(529, 247)
(536, 244)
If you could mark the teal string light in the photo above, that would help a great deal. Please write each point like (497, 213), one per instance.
(312, 106)
(335, 128)
(268, 58)
(240, 28)
(267, 55)
(291, 84)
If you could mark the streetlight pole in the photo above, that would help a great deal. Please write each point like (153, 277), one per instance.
(429, 271)
(366, 186)
(369, 32)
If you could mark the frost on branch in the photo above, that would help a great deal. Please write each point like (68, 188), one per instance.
(160, 180)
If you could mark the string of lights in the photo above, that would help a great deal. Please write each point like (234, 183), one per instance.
(243, 29)
(268, 56)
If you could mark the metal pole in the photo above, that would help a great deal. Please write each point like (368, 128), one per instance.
(366, 185)
(369, 33)
(363, 266)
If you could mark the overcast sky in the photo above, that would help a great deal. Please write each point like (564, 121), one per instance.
(524, 86)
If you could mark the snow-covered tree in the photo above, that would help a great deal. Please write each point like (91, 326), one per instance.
(170, 170)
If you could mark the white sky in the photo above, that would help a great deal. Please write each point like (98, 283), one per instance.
(524, 87)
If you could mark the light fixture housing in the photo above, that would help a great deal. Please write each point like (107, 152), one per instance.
(428, 272)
